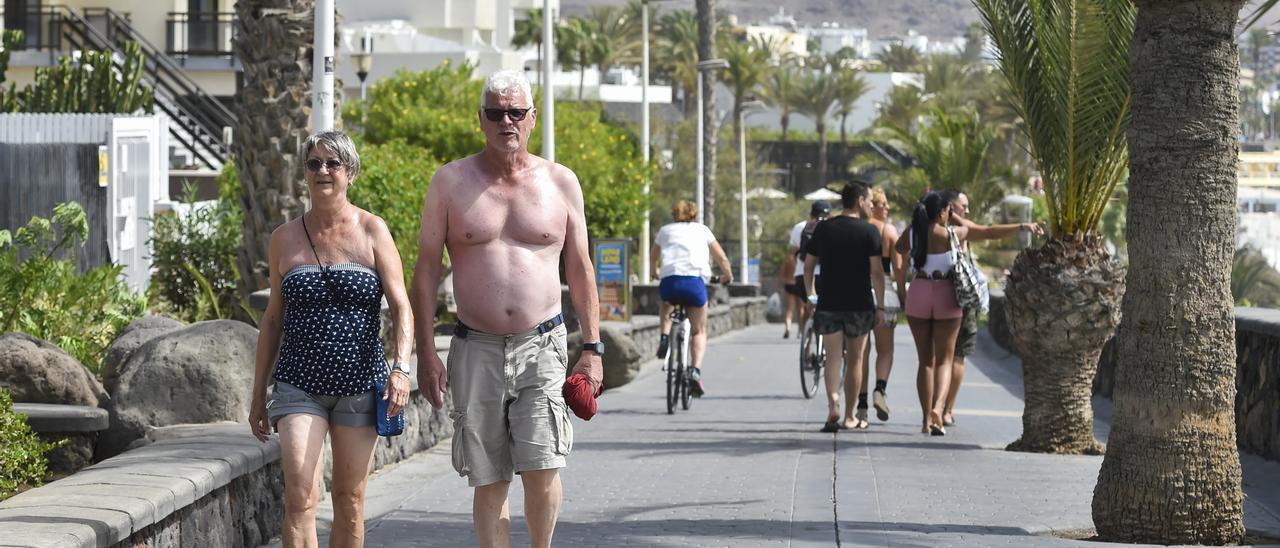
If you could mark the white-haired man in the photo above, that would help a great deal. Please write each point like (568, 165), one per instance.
(505, 216)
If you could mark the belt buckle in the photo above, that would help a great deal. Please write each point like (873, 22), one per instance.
(547, 326)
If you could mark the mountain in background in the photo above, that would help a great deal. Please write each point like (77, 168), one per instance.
(937, 19)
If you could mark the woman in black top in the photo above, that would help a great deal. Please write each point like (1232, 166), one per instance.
(329, 271)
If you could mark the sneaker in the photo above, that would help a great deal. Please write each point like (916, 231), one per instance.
(663, 343)
(695, 382)
(881, 402)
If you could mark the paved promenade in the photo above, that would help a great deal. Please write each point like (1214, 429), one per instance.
(746, 466)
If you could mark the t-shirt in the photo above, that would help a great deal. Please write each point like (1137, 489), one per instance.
(843, 246)
(686, 250)
(796, 233)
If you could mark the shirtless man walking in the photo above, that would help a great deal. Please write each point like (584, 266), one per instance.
(505, 216)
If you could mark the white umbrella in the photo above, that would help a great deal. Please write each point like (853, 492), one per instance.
(822, 194)
(770, 193)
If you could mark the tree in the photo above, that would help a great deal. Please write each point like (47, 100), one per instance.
(677, 52)
(1067, 68)
(580, 46)
(902, 106)
(815, 94)
(529, 33)
(779, 91)
(748, 67)
(1172, 470)
(274, 43)
(951, 81)
(849, 88)
(615, 38)
(706, 11)
(900, 58)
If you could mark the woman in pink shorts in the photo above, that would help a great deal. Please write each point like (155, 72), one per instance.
(931, 307)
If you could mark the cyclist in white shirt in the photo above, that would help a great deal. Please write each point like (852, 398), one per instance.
(800, 233)
(685, 249)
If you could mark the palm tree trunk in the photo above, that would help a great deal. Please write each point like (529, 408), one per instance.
(710, 122)
(1172, 470)
(844, 139)
(582, 76)
(786, 123)
(274, 45)
(1063, 303)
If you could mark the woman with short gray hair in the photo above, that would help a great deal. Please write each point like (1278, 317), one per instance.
(319, 340)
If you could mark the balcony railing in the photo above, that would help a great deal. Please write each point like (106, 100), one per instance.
(42, 29)
(200, 34)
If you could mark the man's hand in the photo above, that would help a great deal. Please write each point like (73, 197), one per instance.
(589, 364)
(432, 380)
(880, 317)
(1033, 228)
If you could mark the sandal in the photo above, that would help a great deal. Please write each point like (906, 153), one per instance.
(832, 425)
(948, 419)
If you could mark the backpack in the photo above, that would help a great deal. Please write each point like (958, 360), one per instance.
(804, 239)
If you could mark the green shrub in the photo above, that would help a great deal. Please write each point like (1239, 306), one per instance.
(22, 460)
(393, 180)
(46, 298)
(437, 112)
(195, 276)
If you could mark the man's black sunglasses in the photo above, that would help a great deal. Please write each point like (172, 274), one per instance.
(516, 114)
(313, 165)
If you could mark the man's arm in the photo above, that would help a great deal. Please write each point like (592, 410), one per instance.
(581, 274)
(974, 232)
(426, 283)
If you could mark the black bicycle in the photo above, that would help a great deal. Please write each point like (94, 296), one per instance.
(813, 357)
(677, 365)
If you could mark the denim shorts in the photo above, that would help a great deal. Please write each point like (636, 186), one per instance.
(287, 399)
(685, 290)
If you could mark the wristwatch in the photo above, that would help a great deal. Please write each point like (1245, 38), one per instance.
(597, 347)
(400, 366)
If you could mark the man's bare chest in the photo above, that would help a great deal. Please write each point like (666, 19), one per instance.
(532, 218)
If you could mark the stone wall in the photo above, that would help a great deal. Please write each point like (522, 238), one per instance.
(1257, 373)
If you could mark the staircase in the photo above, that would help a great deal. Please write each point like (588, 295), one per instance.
(198, 122)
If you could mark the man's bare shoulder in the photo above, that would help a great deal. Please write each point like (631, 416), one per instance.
(455, 171)
(563, 177)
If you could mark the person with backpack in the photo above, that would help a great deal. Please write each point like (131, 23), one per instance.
(800, 235)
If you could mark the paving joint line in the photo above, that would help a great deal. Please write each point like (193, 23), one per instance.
(835, 502)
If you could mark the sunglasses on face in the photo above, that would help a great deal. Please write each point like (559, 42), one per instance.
(516, 114)
(313, 165)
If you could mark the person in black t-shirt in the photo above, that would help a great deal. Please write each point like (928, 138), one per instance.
(848, 248)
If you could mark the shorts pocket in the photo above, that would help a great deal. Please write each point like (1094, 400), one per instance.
(561, 428)
(459, 449)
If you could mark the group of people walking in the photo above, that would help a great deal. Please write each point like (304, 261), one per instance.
(852, 270)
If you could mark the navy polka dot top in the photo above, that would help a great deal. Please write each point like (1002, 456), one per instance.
(332, 318)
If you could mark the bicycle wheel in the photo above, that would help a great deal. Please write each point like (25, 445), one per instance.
(673, 379)
(685, 366)
(812, 359)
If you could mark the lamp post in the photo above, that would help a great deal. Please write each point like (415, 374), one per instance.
(742, 191)
(644, 136)
(548, 113)
(363, 61)
(703, 66)
(322, 67)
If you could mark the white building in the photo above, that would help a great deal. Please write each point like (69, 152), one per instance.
(831, 37)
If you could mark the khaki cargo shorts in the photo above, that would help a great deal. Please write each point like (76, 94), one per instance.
(508, 411)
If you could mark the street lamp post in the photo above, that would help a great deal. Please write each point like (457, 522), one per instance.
(322, 67)
(703, 66)
(644, 136)
(364, 62)
(548, 113)
(742, 191)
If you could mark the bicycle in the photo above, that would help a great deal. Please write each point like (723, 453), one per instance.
(813, 357)
(677, 364)
(677, 355)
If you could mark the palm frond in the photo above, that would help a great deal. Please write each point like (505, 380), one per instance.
(1066, 63)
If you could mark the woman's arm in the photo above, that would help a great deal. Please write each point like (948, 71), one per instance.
(717, 253)
(270, 326)
(897, 259)
(386, 259)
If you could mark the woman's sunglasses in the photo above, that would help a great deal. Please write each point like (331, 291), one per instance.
(313, 165)
(516, 114)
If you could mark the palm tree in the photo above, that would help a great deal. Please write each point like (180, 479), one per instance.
(615, 36)
(273, 39)
(748, 67)
(579, 47)
(779, 91)
(902, 106)
(706, 12)
(950, 150)
(1172, 470)
(529, 33)
(850, 86)
(900, 58)
(1067, 68)
(677, 52)
(951, 81)
(815, 94)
